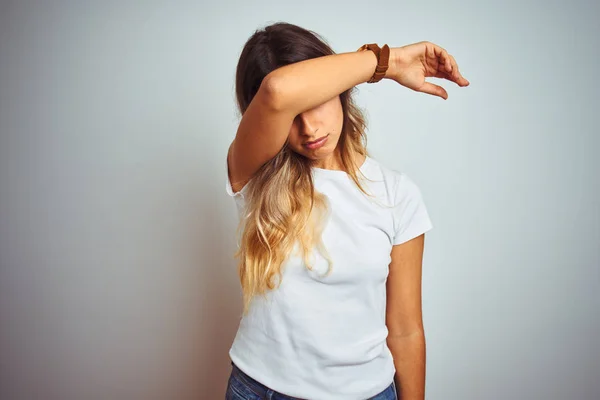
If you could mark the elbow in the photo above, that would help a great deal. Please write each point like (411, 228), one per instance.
(417, 334)
(404, 328)
(272, 93)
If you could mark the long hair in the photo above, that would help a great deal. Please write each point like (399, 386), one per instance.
(282, 207)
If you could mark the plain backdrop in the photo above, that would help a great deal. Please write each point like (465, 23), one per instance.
(117, 279)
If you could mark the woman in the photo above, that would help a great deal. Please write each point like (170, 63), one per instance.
(331, 241)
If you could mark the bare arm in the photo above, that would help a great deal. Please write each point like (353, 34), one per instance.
(295, 88)
(406, 339)
(307, 84)
(283, 94)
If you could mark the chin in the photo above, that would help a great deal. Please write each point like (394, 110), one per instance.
(319, 154)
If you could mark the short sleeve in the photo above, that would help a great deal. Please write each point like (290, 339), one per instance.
(228, 187)
(411, 218)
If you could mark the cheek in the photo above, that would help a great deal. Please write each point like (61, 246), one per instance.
(294, 137)
(295, 141)
(336, 114)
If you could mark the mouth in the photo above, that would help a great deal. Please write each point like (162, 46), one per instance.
(315, 141)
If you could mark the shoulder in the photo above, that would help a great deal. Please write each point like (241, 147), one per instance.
(409, 213)
(400, 184)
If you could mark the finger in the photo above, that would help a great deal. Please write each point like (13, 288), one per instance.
(443, 57)
(448, 76)
(432, 89)
(456, 75)
(455, 72)
(448, 61)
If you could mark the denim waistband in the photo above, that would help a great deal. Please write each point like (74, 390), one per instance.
(257, 387)
(261, 390)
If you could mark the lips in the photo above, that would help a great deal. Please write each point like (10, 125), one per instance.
(316, 144)
(315, 141)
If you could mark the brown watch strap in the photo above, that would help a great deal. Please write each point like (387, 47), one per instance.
(383, 57)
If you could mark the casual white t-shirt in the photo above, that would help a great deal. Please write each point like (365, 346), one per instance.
(319, 337)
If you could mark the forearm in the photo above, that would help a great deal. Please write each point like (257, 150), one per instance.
(306, 84)
(409, 354)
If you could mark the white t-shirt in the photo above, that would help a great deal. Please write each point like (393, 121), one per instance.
(320, 337)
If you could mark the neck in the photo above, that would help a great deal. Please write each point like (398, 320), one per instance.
(330, 162)
(334, 162)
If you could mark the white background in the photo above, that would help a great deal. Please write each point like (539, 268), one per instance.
(117, 279)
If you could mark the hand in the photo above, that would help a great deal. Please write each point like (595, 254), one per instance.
(410, 65)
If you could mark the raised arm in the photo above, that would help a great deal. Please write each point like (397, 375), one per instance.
(283, 94)
(295, 88)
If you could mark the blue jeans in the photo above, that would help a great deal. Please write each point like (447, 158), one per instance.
(242, 387)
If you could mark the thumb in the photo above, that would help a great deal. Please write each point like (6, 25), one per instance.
(435, 90)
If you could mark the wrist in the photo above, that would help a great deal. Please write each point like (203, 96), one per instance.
(382, 55)
(395, 54)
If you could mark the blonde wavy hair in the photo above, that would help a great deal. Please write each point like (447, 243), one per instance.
(282, 208)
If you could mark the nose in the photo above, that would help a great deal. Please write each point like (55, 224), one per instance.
(307, 125)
